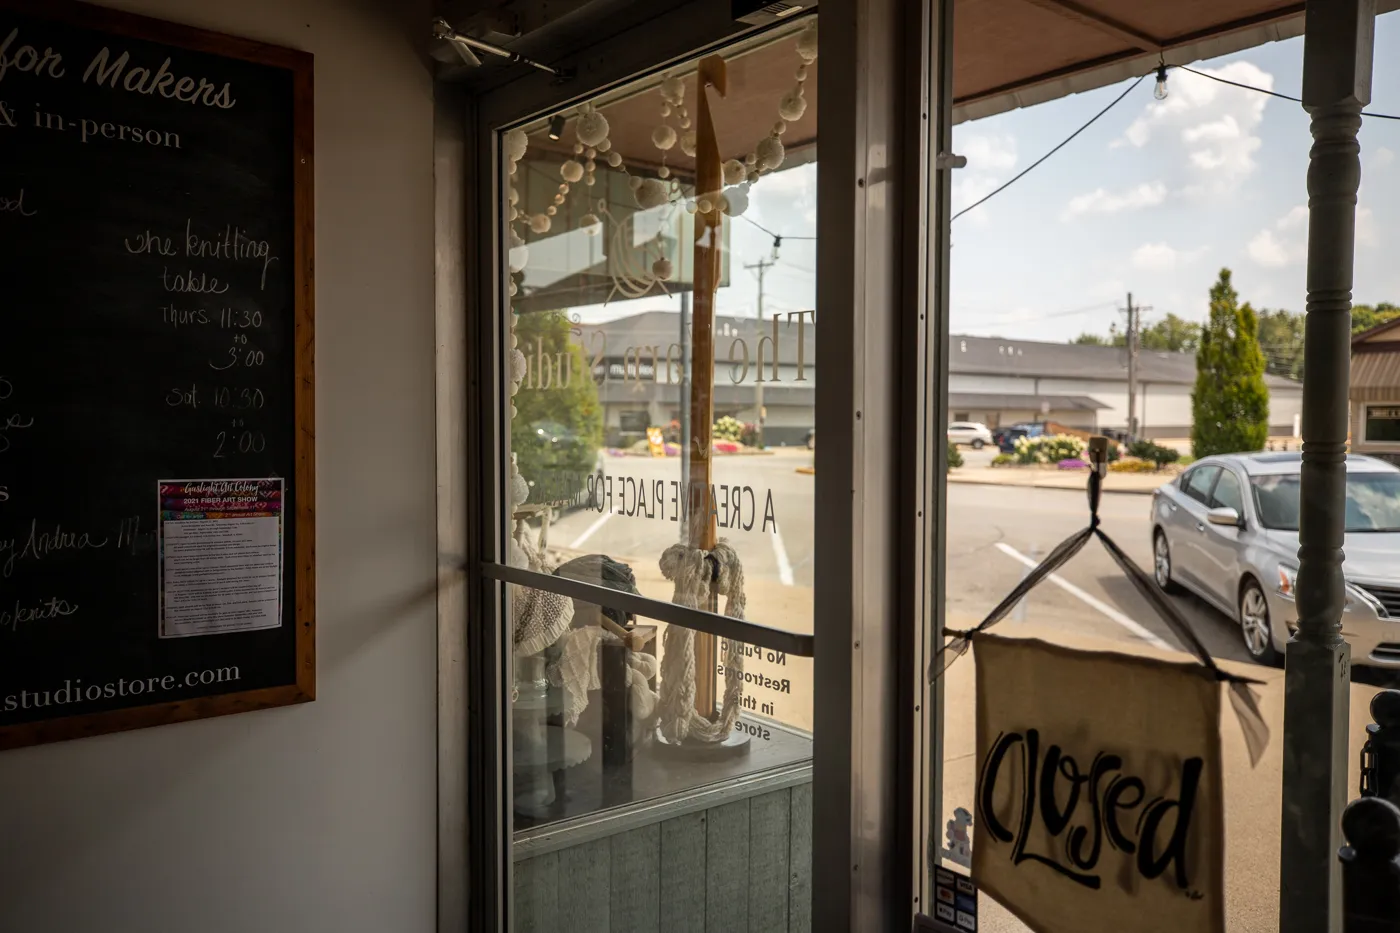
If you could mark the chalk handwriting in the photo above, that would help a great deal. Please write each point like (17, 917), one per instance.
(14, 204)
(1051, 785)
(10, 423)
(45, 541)
(28, 611)
(232, 244)
(192, 282)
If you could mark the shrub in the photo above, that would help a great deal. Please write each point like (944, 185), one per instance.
(1156, 453)
(1048, 448)
(1132, 465)
(749, 437)
(1003, 460)
(729, 428)
(954, 456)
(1114, 451)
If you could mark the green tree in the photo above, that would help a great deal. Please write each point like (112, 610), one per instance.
(1281, 339)
(1364, 317)
(1172, 334)
(1230, 405)
(558, 424)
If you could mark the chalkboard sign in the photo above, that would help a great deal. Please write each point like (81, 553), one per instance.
(156, 388)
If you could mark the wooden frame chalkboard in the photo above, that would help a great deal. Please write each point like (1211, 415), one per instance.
(73, 140)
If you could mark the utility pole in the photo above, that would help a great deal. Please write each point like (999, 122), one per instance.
(763, 265)
(1134, 326)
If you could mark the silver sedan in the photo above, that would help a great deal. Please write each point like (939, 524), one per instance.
(1227, 529)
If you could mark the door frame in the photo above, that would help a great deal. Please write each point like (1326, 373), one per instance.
(879, 575)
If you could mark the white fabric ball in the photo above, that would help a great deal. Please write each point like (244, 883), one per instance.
(688, 143)
(673, 89)
(605, 145)
(517, 366)
(514, 239)
(635, 181)
(551, 210)
(592, 153)
(650, 193)
(807, 43)
(733, 172)
(736, 201)
(770, 153)
(753, 176)
(592, 128)
(571, 170)
(704, 205)
(513, 288)
(801, 73)
(514, 196)
(663, 269)
(779, 128)
(663, 137)
(614, 159)
(590, 224)
(518, 257)
(540, 223)
(516, 143)
(792, 106)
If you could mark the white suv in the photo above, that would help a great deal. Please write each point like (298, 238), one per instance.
(975, 434)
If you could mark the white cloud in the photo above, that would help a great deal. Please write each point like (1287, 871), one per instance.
(1155, 257)
(1366, 233)
(1286, 241)
(1102, 201)
(1268, 250)
(1382, 157)
(990, 159)
(1213, 124)
(989, 153)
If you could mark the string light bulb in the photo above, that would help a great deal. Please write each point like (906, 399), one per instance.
(1160, 92)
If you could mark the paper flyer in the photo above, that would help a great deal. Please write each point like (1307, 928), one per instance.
(220, 556)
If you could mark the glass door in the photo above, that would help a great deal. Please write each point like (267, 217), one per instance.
(653, 377)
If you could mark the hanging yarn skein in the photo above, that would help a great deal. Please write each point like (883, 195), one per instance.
(691, 570)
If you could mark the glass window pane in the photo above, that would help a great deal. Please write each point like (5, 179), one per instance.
(1227, 492)
(1196, 483)
(660, 367)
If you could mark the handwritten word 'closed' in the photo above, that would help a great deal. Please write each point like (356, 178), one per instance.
(1080, 809)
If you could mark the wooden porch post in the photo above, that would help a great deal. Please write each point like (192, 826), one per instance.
(1337, 54)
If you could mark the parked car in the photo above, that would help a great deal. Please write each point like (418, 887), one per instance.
(974, 434)
(1227, 529)
(812, 439)
(1005, 438)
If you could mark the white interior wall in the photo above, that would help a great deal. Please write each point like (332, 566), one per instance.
(318, 818)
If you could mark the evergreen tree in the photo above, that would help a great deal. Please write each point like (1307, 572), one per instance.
(1230, 406)
(558, 425)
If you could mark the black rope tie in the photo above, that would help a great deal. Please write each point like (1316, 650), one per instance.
(1242, 697)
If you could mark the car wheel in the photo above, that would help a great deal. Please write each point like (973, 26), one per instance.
(1162, 563)
(1254, 624)
(978, 443)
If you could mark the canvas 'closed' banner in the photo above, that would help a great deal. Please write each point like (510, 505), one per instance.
(1099, 794)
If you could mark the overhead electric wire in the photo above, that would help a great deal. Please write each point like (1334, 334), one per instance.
(1065, 142)
(1260, 90)
(775, 236)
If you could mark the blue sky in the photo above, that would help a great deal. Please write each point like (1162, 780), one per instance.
(1154, 198)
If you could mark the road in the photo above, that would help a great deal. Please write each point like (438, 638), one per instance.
(993, 532)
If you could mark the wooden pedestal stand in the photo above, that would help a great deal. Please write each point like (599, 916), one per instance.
(708, 226)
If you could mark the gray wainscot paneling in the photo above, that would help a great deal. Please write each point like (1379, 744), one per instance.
(734, 858)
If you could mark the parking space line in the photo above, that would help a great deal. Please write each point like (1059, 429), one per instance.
(588, 532)
(1093, 602)
(781, 556)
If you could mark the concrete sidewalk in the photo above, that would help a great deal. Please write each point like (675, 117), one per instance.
(1141, 484)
